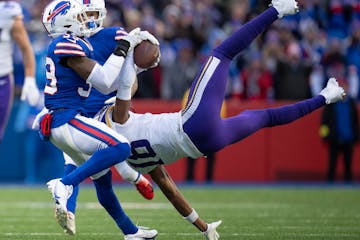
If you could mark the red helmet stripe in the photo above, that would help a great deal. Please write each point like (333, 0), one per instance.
(56, 11)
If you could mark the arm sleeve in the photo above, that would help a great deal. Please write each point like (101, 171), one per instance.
(105, 78)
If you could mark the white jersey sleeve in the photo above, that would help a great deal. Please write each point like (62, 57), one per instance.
(9, 10)
(155, 139)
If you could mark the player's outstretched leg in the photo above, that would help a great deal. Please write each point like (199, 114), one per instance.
(70, 227)
(60, 194)
(201, 115)
(109, 201)
(143, 185)
(248, 122)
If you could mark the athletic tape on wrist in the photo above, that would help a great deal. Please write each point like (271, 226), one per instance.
(192, 217)
(122, 48)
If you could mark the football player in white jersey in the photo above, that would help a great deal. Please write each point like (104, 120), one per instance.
(71, 72)
(198, 129)
(12, 30)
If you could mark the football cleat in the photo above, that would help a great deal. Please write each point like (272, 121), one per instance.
(285, 7)
(145, 188)
(211, 233)
(333, 92)
(69, 227)
(143, 233)
(60, 193)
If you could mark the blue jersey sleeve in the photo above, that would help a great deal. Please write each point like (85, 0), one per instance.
(119, 33)
(68, 45)
(105, 41)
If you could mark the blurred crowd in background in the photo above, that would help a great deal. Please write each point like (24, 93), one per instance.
(291, 60)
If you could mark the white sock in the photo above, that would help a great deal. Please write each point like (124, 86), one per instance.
(126, 172)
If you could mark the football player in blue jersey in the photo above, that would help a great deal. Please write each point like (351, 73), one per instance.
(71, 72)
(103, 41)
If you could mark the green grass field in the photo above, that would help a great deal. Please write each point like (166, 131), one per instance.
(247, 213)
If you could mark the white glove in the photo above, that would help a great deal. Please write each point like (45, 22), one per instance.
(145, 35)
(30, 91)
(134, 38)
(36, 123)
(285, 7)
(333, 92)
(127, 77)
(211, 233)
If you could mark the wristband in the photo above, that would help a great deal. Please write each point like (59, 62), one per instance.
(123, 93)
(122, 48)
(192, 217)
(29, 79)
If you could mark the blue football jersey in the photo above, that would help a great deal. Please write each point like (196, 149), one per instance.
(65, 90)
(104, 43)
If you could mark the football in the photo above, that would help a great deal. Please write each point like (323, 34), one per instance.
(146, 54)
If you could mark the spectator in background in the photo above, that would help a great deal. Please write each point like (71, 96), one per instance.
(314, 10)
(238, 10)
(339, 123)
(13, 29)
(178, 77)
(333, 63)
(353, 51)
(313, 41)
(291, 78)
(257, 80)
(340, 129)
(340, 14)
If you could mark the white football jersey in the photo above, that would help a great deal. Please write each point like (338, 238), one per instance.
(9, 10)
(155, 138)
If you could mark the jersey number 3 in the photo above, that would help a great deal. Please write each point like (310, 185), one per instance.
(51, 81)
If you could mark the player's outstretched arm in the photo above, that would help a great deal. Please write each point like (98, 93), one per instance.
(30, 91)
(173, 194)
(333, 92)
(105, 78)
(127, 83)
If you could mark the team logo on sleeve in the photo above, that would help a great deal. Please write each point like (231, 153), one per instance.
(60, 9)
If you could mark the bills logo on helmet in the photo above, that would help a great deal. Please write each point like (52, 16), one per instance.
(60, 9)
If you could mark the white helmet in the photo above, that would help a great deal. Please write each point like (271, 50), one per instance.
(99, 7)
(70, 16)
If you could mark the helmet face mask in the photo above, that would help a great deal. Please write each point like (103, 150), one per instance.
(96, 13)
(72, 16)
